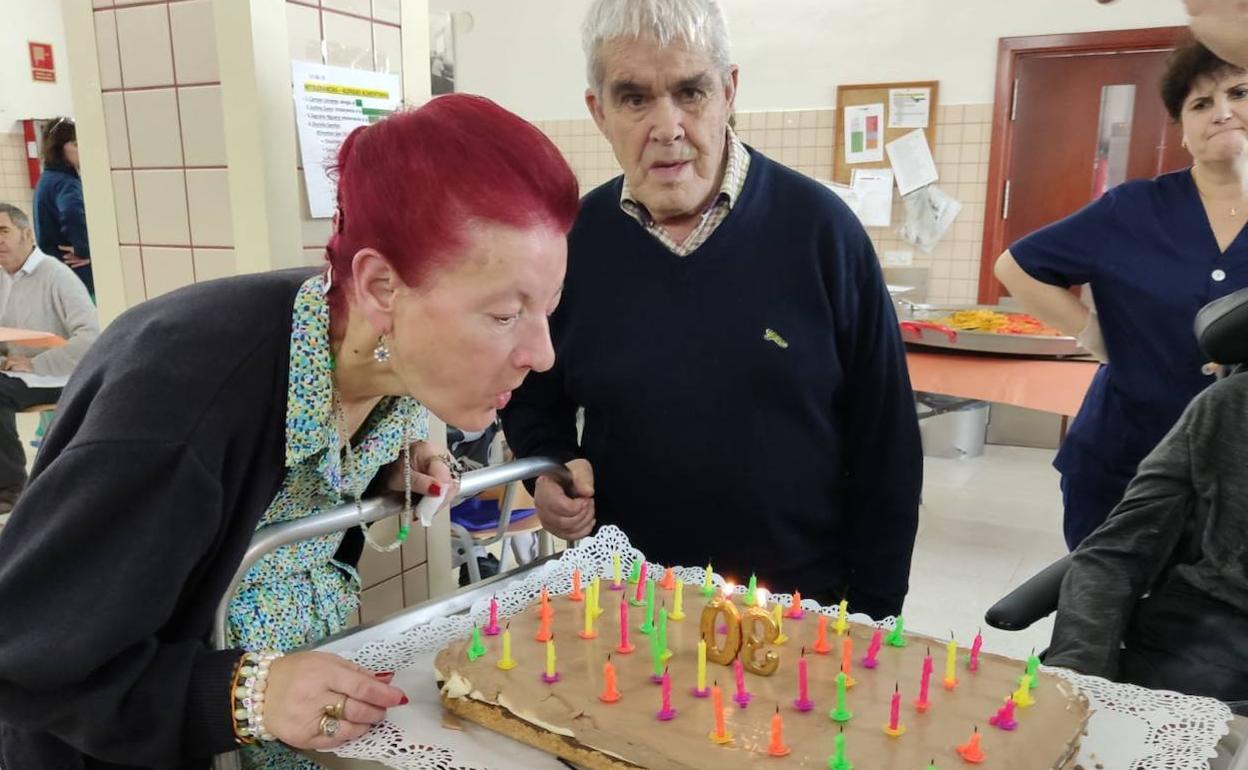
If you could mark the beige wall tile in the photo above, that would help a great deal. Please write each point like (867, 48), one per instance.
(375, 566)
(167, 269)
(151, 118)
(162, 208)
(314, 232)
(208, 195)
(203, 125)
(303, 32)
(349, 41)
(313, 257)
(194, 41)
(416, 585)
(389, 49)
(387, 10)
(101, 3)
(358, 7)
(381, 600)
(211, 264)
(115, 130)
(144, 42)
(123, 200)
(132, 275)
(106, 49)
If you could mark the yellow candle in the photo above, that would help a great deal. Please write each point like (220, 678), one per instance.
(588, 632)
(615, 568)
(506, 663)
(550, 658)
(842, 618)
(777, 614)
(951, 662)
(702, 666)
(678, 602)
(595, 588)
(706, 580)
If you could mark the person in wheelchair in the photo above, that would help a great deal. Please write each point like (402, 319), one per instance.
(1158, 594)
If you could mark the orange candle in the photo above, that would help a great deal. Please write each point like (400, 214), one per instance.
(610, 694)
(970, 751)
(544, 609)
(543, 631)
(777, 748)
(669, 579)
(721, 734)
(821, 645)
(576, 594)
(795, 609)
(847, 657)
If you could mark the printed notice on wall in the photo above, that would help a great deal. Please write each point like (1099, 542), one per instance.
(329, 103)
(909, 107)
(864, 133)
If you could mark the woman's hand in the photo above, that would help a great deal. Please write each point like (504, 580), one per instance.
(71, 258)
(17, 364)
(431, 474)
(567, 516)
(304, 686)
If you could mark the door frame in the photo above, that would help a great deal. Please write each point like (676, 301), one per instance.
(1010, 50)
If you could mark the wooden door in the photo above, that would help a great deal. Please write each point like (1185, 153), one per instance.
(1073, 121)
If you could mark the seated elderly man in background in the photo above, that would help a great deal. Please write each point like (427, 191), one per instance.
(1177, 536)
(726, 328)
(40, 293)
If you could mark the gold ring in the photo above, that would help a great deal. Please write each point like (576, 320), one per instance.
(329, 726)
(335, 710)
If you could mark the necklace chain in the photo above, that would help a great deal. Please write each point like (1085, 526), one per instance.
(344, 443)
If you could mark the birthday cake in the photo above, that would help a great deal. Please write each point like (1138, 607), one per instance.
(839, 695)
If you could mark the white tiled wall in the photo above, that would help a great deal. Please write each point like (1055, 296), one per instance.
(14, 177)
(804, 140)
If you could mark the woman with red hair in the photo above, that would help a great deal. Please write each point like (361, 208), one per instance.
(226, 406)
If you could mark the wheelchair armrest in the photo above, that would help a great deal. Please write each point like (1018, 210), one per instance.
(1031, 601)
(1222, 328)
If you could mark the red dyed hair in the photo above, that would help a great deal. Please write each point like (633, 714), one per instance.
(409, 185)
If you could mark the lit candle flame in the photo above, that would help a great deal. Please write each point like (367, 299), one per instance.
(729, 589)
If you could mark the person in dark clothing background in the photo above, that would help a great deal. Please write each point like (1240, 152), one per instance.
(726, 328)
(59, 213)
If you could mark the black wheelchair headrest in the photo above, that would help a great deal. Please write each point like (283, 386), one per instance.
(1222, 329)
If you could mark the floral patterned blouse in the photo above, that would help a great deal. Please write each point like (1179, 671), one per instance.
(298, 594)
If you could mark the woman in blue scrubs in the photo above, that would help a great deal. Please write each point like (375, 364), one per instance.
(1154, 252)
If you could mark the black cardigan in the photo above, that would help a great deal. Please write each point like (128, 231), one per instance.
(168, 446)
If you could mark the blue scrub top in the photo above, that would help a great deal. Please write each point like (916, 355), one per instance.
(1149, 253)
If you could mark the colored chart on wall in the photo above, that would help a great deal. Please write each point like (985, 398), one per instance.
(871, 115)
(331, 102)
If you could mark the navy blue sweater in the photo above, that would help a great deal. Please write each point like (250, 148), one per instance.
(60, 217)
(793, 454)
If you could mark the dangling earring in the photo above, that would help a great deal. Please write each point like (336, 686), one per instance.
(381, 353)
(1183, 142)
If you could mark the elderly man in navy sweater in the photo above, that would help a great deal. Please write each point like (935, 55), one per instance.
(727, 331)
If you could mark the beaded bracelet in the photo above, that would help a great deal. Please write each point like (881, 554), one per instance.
(251, 680)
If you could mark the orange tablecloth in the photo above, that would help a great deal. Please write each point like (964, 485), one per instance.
(1048, 385)
(30, 338)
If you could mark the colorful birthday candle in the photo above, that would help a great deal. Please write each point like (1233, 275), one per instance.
(795, 611)
(973, 663)
(1022, 696)
(839, 761)
(841, 713)
(803, 702)
(610, 693)
(624, 647)
(894, 727)
(921, 703)
(617, 584)
(543, 631)
(701, 690)
(544, 609)
(720, 735)
(663, 649)
(642, 582)
(778, 617)
(847, 659)
(1033, 670)
(708, 588)
(842, 617)
(491, 628)
(666, 712)
(634, 572)
(647, 623)
(576, 594)
(656, 658)
(588, 631)
(951, 662)
(751, 591)
(897, 637)
(506, 663)
(742, 696)
(776, 747)
(821, 645)
(873, 650)
(477, 648)
(595, 595)
(669, 579)
(970, 751)
(678, 602)
(1004, 718)
(551, 675)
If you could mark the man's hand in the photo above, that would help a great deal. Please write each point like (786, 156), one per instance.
(563, 516)
(72, 259)
(17, 364)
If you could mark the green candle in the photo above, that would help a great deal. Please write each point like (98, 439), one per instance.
(647, 624)
(751, 592)
(839, 761)
(664, 653)
(634, 573)
(708, 588)
(897, 637)
(841, 713)
(656, 656)
(477, 648)
(1033, 670)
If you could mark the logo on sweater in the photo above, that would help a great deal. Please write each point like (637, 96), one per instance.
(771, 336)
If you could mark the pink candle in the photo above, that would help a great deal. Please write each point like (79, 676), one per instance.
(922, 703)
(641, 584)
(873, 649)
(803, 702)
(979, 642)
(742, 697)
(894, 710)
(492, 629)
(666, 712)
(624, 647)
(1004, 718)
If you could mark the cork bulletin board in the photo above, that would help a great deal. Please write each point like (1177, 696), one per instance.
(861, 96)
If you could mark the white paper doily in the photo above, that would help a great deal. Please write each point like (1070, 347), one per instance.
(1132, 728)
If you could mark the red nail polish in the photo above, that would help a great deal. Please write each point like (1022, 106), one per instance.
(404, 701)
(435, 489)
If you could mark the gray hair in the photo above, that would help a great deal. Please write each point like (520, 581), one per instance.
(699, 24)
(17, 215)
